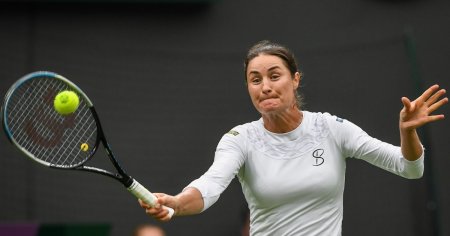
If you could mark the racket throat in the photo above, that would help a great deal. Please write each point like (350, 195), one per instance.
(127, 181)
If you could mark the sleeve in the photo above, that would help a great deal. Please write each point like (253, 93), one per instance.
(228, 159)
(358, 144)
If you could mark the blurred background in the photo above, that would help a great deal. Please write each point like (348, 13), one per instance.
(167, 80)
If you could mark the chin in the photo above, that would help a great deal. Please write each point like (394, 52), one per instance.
(269, 111)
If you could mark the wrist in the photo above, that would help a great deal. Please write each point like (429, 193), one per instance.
(406, 130)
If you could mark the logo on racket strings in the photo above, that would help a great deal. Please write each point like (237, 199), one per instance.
(43, 128)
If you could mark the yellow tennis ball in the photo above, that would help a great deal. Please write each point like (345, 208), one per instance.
(84, 147)
(66, 102)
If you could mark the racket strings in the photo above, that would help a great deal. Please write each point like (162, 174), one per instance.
(47, 128)
(48, 136)
(88, 128)
(39, 111)
(25, 101)
(42, 131)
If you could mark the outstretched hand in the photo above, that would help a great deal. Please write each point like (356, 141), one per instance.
(419, 112)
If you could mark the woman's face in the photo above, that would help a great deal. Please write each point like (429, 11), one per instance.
(270, 84)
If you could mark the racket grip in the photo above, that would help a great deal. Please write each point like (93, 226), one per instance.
(146, 196)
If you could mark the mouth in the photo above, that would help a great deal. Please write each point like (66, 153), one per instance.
(268, 102)
(268, 98)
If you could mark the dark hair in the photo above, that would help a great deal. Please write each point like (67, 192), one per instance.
(266, 47)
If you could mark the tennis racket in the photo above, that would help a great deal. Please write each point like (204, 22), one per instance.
(58, 141)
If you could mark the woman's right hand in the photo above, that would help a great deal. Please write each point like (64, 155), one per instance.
(188, 202)
(158, 212)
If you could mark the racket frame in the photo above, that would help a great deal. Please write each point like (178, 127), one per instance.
(131, 184)
(120, 176)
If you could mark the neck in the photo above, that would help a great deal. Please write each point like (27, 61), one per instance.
(283, 122)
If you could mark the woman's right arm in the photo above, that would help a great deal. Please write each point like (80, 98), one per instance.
(204, 191)
(188, 202)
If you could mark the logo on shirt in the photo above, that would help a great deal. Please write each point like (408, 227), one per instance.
(233, 132)
(317, 155)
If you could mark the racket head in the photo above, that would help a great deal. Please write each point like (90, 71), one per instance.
(32, 124)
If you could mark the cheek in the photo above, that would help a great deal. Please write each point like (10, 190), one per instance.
(288, 94)
(252, 92)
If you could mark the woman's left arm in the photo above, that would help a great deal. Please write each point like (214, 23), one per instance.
(416, 114)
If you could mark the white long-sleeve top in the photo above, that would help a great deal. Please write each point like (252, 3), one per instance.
(294, 182)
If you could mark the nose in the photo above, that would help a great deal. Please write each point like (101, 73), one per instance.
(266, 86)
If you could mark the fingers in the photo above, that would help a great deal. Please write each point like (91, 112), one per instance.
(436, 96)
(437, 105)
(433, 102)
(142, 204)
(435, 118)
(419, 112)
(429, 99)
(407, 104)
(158, 211)
(427, 94)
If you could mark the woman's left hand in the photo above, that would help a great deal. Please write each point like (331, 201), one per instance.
(418, 112)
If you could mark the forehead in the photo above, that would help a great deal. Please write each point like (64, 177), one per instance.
(265, 62)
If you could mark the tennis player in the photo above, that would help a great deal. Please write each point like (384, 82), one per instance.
(291, 162)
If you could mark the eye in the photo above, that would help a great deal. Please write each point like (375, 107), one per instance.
(255, 80)
(275, 76)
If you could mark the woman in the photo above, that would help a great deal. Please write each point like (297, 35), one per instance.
(291, 162)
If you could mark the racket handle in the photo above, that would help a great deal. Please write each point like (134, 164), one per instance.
(146, 196)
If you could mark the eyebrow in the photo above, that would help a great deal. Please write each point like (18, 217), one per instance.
(274, 67)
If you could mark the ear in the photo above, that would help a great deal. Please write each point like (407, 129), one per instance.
(296, 79)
